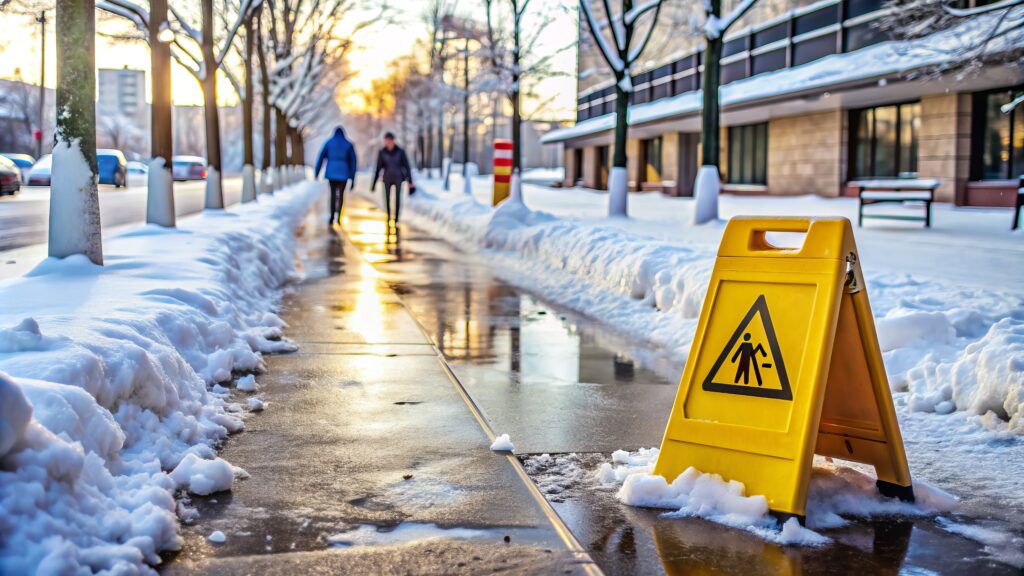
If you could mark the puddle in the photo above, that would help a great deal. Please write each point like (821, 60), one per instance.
(404, 533)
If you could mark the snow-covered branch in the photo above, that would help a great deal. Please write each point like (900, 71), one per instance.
(610, 56)
(968, 12)
(715, 27)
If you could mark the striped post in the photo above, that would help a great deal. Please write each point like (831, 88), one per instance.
(502, 170)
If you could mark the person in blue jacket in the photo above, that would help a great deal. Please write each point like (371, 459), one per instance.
(340, 155)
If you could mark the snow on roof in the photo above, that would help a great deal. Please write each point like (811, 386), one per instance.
(892, 57)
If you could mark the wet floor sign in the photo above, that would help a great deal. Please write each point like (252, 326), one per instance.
(785, 364)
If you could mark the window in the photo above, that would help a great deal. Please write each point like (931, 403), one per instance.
(652, 160)
(748, 154)
(883, 141)
(998, 144)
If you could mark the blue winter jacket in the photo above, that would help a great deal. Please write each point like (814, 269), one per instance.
(340, 155)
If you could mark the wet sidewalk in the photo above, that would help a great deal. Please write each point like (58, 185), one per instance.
(570, 391)
(368, 457)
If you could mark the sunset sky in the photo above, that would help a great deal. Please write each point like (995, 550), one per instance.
(375, 49)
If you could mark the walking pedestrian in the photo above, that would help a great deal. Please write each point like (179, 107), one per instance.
(393, 169)
(340, 156)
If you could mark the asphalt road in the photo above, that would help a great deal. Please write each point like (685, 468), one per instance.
(24, 216)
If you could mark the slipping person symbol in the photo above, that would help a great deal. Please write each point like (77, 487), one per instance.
(747, 355)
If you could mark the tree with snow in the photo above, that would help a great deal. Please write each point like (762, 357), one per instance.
(997, 41)
(511, 65)
(709, 179)
(621, 38)
(74, 200)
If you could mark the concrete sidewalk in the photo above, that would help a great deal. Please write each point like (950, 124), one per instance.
(369, 457)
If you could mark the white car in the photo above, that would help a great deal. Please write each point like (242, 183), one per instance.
(188, 168)
(40, 174)
(137, 173)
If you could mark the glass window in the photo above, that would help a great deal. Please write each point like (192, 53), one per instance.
(748, 154)
(999, 145)
(652, 158)
(884, 141)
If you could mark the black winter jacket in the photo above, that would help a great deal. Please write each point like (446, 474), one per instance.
(392, 167)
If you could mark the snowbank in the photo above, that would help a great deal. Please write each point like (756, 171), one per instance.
(107, 370)
(835, 492)
(950, 347)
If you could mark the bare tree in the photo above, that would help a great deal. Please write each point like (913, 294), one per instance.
(203, 53)
(708, 183)
(120, 133)
(993, 34)
(621, 38)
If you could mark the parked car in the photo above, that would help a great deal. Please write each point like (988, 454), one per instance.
(188, 168)
(10, 176)
(137, 173)
(24, 163)
(112, 167)
(40, 173)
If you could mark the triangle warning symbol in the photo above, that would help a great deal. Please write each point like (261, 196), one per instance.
(751, 363)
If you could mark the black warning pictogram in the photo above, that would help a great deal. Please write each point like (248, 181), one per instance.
(738, 369)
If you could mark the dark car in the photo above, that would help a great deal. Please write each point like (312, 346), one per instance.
(10, 176)
(112, 166)
(188, 168)
(24, 163)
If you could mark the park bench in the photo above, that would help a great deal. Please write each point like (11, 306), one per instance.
(896, 191)
(1020, 202)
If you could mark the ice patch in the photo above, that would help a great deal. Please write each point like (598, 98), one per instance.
(217, 537)
(503, 443)
(404, 533)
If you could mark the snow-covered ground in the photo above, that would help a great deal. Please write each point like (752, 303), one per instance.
(105, 405)
(948, 302)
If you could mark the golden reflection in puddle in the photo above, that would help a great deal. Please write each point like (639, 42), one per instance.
(368, 315)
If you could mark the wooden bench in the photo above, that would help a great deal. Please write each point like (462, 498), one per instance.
(896, 191)
(1020, 202)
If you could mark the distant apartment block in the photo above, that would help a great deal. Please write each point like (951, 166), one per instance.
(122, 92)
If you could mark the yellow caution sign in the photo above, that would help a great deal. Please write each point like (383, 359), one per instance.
(785, 364)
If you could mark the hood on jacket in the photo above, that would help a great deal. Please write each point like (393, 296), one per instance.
(339, 131)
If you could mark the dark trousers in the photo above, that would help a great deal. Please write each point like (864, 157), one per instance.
(393, 190)
(337, 199)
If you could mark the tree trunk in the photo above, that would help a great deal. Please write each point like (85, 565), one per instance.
(280, 139)
(214, 197)
(160, 198)
(247, 132)
(517, 119)
(264, 93)
(618, 184)
(710, 116)
(248, 170)
(74, 201)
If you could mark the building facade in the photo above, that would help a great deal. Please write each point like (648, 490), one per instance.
(814, 96)
(121, 93)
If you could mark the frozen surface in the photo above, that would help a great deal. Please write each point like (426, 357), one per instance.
(406, 532)
(948, 303)
(116, 362)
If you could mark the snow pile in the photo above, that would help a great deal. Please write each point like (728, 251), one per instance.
(950, 347)
(834, 491)
(502, 443)
(107, 375)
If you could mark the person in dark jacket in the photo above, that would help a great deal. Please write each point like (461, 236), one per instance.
(393, 169)
(340, 156)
